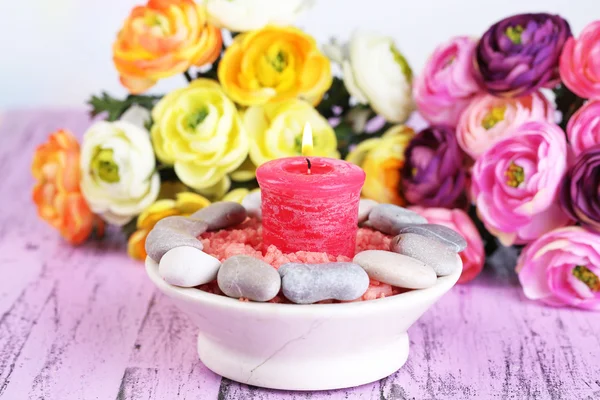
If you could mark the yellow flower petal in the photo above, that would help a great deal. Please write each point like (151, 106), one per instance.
(382, 160)
(188, 203)
(245, 172)
(218, 190)
(273, 64)
(236, 195)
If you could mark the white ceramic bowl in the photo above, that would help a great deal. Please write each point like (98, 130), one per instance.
(303, 347)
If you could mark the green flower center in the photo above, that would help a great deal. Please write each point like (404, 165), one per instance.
(104, 165)
(279, 62)
(514, 33)
(514, 175)
(588, 277)
(156, 20)
(196, 118)
(401, 61)
(495, 115)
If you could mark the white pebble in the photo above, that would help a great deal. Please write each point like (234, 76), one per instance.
(364, 209)
(396, 269)
(187, 266)
(252, 204)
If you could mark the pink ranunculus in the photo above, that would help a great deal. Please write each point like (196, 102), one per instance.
(562, 268)
(489, 119)
(515, 183)
(579, 65)
(473, 257)
(583, 129)
(448, 82)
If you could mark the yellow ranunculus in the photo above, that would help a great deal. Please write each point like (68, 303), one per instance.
(245, 172)
(276, 130)
(382, 160)
(273, 64)
(199, 131)
(237, 195)
(186, 203)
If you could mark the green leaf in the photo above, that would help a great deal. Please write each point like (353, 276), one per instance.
(114, 108)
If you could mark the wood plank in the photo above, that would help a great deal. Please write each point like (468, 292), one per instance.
(164, 363)
(82, 326)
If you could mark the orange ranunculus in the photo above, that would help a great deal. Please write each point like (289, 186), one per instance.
(185, 203)
(382, 160)
(162, 39)
(56, 193)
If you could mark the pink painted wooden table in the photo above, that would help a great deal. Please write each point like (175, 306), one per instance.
(86, 323)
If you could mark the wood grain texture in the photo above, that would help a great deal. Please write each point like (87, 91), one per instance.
(86, 323)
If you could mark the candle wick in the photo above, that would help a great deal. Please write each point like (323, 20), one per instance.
(308, 162)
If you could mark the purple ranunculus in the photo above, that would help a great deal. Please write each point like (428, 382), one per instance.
(580, 194)
(434, 174)
(520, 54)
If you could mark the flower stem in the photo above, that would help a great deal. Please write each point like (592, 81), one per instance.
(187, 75)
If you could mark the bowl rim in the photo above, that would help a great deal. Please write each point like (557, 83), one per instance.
(193, 294)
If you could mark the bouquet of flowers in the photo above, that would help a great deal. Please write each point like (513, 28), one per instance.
(494, 164)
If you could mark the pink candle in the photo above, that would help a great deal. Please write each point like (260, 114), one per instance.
(310, 211)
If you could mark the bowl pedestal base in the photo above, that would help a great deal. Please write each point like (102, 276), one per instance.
(292, 367)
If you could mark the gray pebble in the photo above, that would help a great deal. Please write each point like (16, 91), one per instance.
(221, 215)
(364, 209)
(252, 203)
(442, 234)
(441, 258)
(159, 241)
(248, 277)
(390, 219)
(191, 226)
(310, 283)
(396, 269)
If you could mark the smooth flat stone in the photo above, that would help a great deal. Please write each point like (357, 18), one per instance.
(310, 283)
(390, 219)
(163, 238)
(364, 209)
(252, 203)
(221, 215)
(442, 234)
(190, 226)
(396, 269)
(442, 258)
(187, 266)
(248, 277)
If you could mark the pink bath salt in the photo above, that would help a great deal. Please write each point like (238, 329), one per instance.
(378, 290)
(368, 239)
(211, 287)
(279, 299)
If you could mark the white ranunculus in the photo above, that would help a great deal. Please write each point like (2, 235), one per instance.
(247, 15)
(137, 115)
(118, 177)
(376, 73)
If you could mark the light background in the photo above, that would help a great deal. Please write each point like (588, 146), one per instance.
(57, 53)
